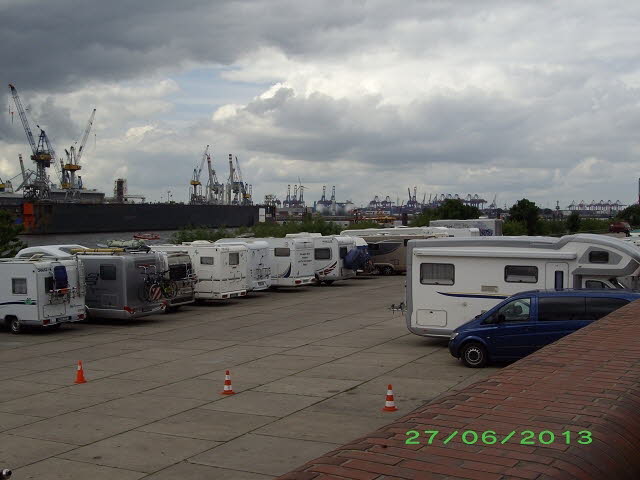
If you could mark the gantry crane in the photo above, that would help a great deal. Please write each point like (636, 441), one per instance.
(215, 189)
(196, 185)
(43, 154)
(245, 189)
(69, 181)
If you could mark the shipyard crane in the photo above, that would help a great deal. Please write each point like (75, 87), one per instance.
(215, 189)
(42, 155)
(196, 185)
(69, 169)
(245, 189)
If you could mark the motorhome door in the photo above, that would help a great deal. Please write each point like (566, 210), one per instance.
(557, 275)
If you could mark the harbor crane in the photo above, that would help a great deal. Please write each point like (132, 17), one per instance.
(238, 193)
(196, 186)
(42, 154)
(70, 182)
(215, 189)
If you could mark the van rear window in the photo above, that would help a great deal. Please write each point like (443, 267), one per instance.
(281, 252)
(234, 258)
(437, 274)
(559, 309)
(107, 272)
(520, 274)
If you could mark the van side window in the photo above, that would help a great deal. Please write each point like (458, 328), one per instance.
(598, 256)
(108, 272)
(206, 260)
(515, 311)
(560, 309)
(343, 252)
(323, 254)
(601, 307)
(234, 258)
(520, 274)
(19, 286)
(281, 252)
(437, 274)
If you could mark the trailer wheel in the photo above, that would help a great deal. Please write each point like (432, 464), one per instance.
(474, 355)
(387, 270)
(14, 325)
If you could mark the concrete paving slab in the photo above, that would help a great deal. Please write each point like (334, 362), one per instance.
(139, 451)
(164, 354)
(170, 372)
(315, 387)
(192, 471)
(262, 403)
(12, 420)
(100, 338)
(379, 359)
(323, 427)
(360, 404)
(61, 469)
(18, 451)
(93, 353)
(14, 373)
(11, 389)
(261, 454)
(297, 362)
(278, 341)
(63, 377)
(322, 351)
(360, 338)
(205, 344)
(109, 388)
(201, 388)
(144, 406)
(346, 371)
(208, 424)
(245, 377)
(39, 364)
(48, 404)
(119, 364)
(77, 428)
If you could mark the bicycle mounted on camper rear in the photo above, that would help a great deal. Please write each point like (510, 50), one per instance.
(156, 285)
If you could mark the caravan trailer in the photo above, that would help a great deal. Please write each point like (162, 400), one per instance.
(121, 285)
(449, 281)
(221, 270)
(41, 291)
(329, 256)
(258, 265)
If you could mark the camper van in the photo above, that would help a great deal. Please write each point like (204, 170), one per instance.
(449, 281)
(329, 256)
(259, 264)
(292, 261)
(41, 291)
(221, 270)
(57, 251)
(489, 227)
(178, 272)
(122, 285)
(395, 231)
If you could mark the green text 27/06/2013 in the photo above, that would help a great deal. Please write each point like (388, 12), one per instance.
(490, 437)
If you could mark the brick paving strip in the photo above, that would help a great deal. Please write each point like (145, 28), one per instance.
(589, 380)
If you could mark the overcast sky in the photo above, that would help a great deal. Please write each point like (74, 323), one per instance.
(514, 98)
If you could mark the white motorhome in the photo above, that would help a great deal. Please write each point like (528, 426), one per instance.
(259, 264)
(409, 231)
(489, 227)
(329, 256)
(41, 291)
(449, 281)
(221, 270)
(292, 261)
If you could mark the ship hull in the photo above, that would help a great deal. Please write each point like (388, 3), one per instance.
(56, 218)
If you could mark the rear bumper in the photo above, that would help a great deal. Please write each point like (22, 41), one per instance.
(48, 322)
(220, 295)
(292, 282)
(260, 285)
(124, 314)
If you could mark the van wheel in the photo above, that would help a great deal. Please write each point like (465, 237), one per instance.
(474, 355)
(387, 270)
(14, 325)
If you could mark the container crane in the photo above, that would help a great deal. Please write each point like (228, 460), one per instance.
(69, 180)
(215, 189)
(196, 185)
(42, 154)
(245, 189)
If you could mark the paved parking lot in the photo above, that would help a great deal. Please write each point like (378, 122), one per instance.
(310, 368)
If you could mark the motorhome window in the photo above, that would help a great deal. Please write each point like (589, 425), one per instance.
(48, 284)
(520, 274)
(515, 311)
(598, 256)
(437, 274)
(108, 272)
(595, 284)
(19, 286)
(601, 307)
(323, 254)
(343, 252)
(206, 260)
(560, 309)
(281, 252)
(373, 246)
(234, 258)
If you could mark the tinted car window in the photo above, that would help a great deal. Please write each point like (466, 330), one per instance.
(601, 307)
(558, 309)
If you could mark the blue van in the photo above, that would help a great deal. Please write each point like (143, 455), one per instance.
(527, 321)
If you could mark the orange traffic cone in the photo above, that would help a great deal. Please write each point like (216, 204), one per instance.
(228, 389)
(389, 404)
(80, 373)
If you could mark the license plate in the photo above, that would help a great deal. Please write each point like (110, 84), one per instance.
(62, 319)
